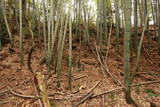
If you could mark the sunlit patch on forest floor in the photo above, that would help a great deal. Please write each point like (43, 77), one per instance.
(20, 80)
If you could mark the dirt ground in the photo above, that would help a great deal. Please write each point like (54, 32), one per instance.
(20, 80)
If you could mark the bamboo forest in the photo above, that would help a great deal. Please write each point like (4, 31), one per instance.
(79, 53)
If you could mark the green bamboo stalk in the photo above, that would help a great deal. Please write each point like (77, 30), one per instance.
(70, 53)
(44, 28)
(127, 41)
(158, 21)
(117, 15)
(60, 49)
(21, 36)
(6, 22)
(135, 38)
(140, 47)
(1, 12)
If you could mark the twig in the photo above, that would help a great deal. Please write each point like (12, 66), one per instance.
(144, 83)
(32, 97)
(84, 99)
(80, 77)
(106, 92)
(151, 60)
(94, 87)
(22, 96)
(57, 93)
(3, 102)
(74, 92)
(88, 95)
(89, 90)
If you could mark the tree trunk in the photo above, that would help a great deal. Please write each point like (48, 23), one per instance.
(135, 37)
(158, 21)
(21, 36)
(127, 40)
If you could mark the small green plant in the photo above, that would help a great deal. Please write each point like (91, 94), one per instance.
(112, 96)
(150, 93)
(53, 104)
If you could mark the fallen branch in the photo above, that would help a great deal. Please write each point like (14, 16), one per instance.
(88, 95)
(106, 92)
(32, 97)
(3, 102)
(94, 87)
(144, 83)
(84, 99)
(149, 56)
(83, 76)
(89, 90)
(133, 85)
(104, 66)
(23, 96)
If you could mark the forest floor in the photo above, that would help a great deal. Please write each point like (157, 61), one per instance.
(19, 79)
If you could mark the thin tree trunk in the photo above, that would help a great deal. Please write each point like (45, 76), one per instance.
(140, 47)
(70, 54)
(1, 24)
(85, 23)
(127, 41)
(44, 29)
(117, 24)
(153, 15)
(158, 21)
(6, 22)
(135, 38)
(21, 36)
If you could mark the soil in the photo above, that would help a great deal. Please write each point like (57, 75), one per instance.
(21, 80)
